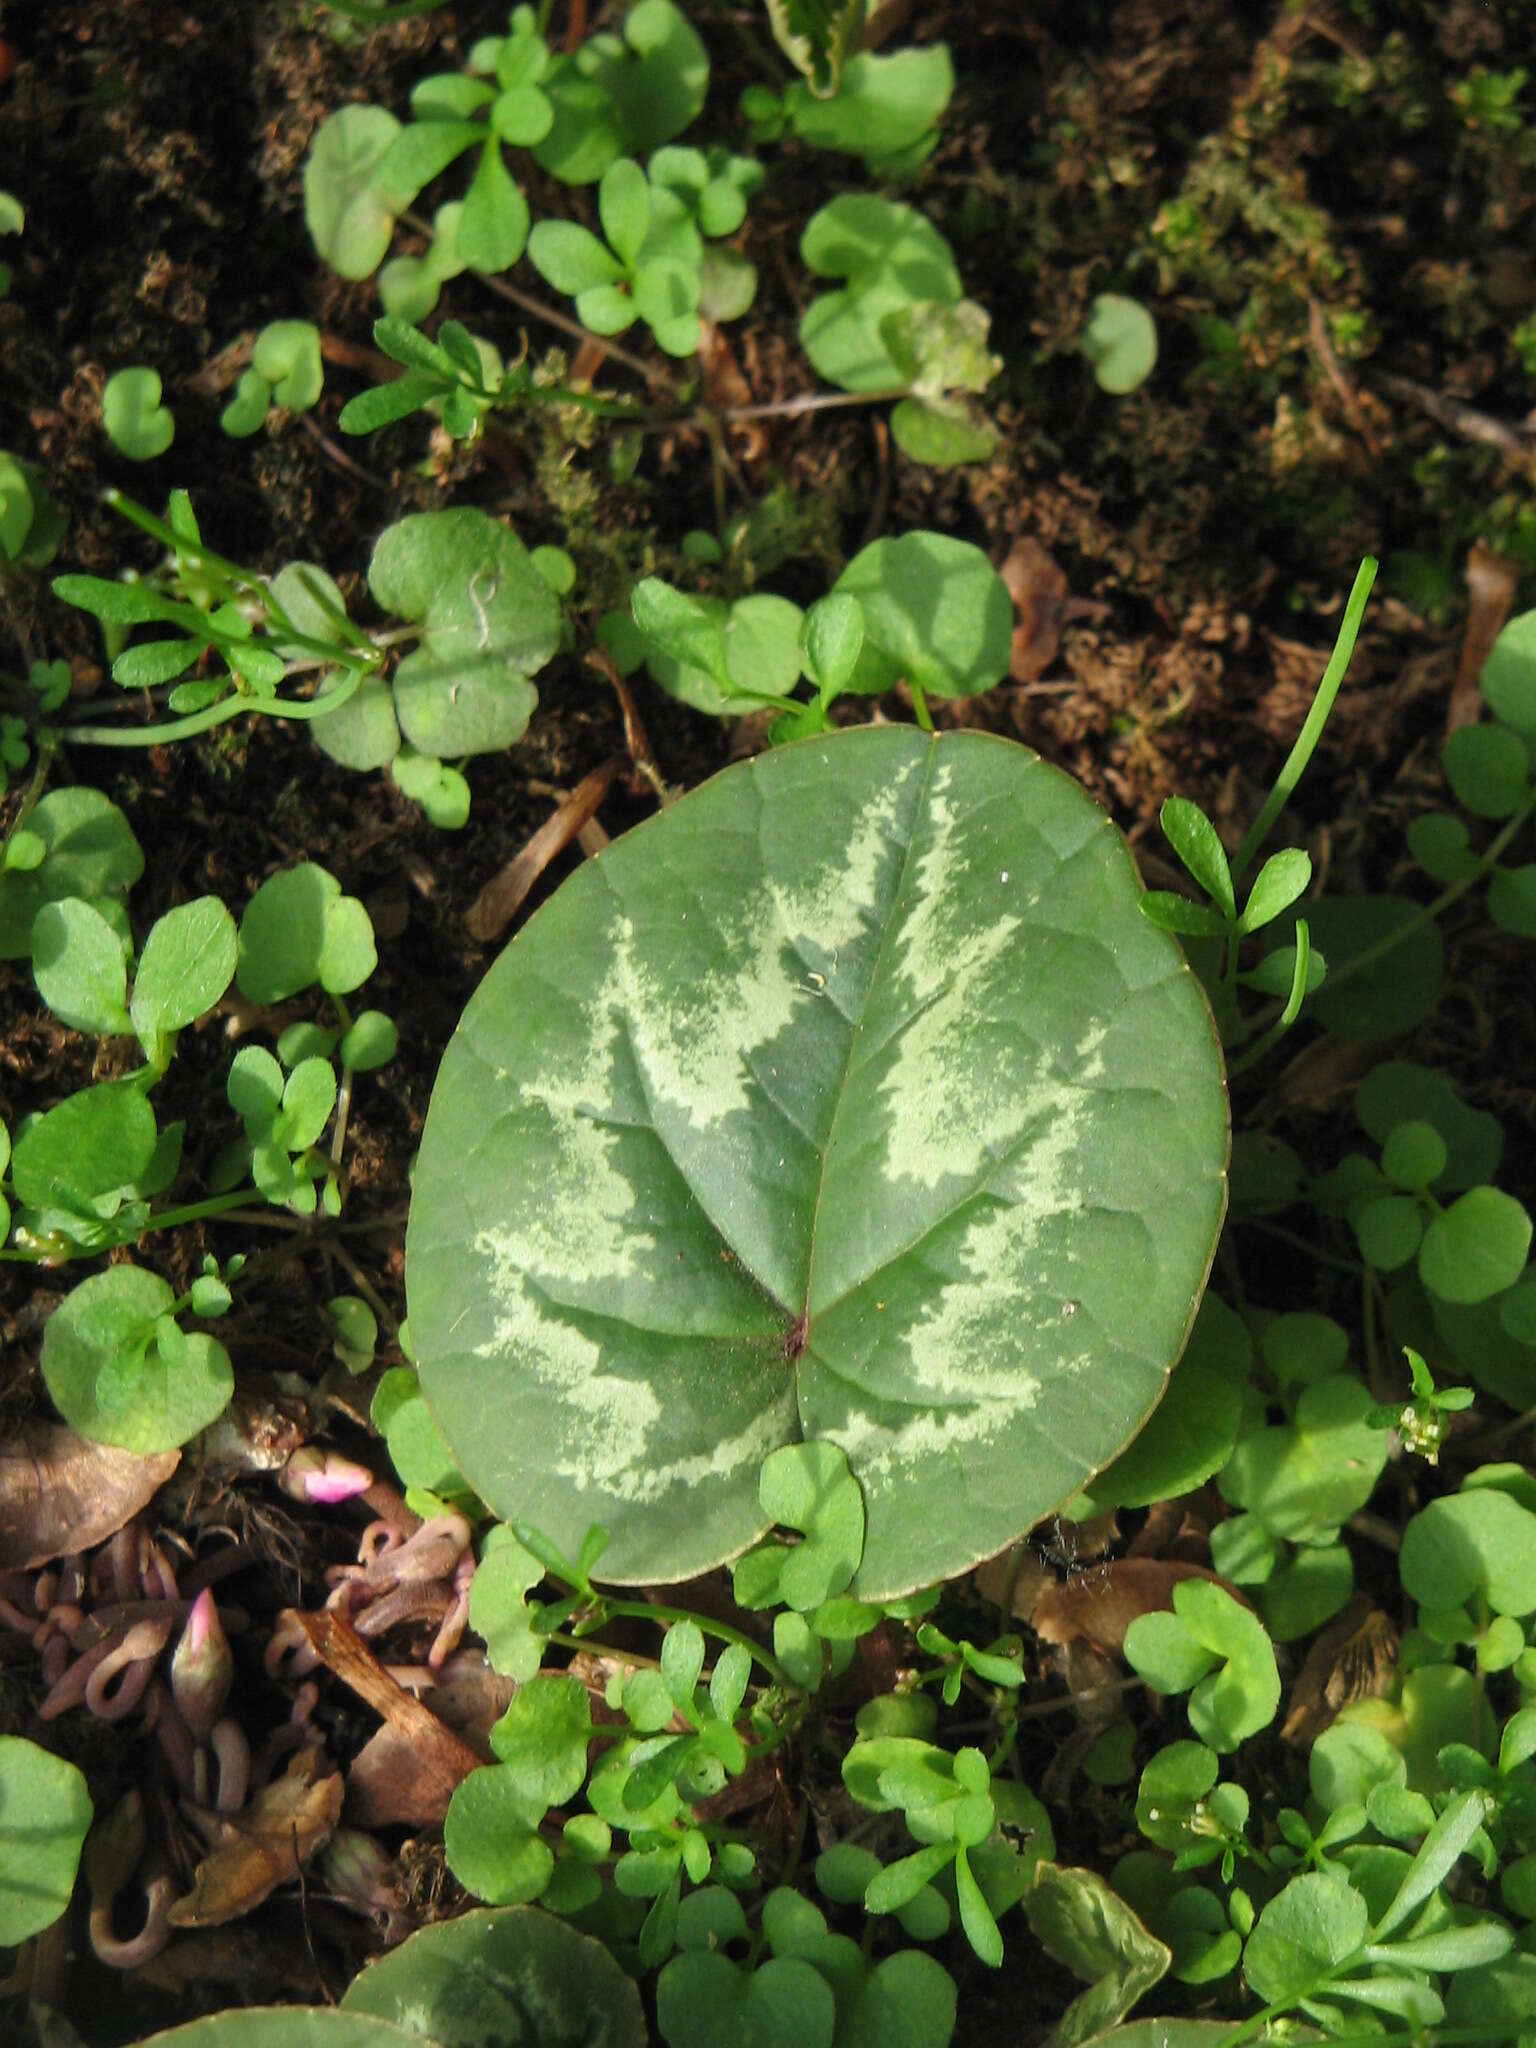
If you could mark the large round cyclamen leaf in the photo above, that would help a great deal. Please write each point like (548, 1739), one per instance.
(850, 1097)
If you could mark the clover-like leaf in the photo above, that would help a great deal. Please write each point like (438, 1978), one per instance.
(498, 1605)
(703, 1998)
(489, 622)
(349, 218)
(1304, 1478)
(892, 260)
(885, 106)
(187, 963)
(113, 1382)
(137, 424)
(1215, 1649)
(850, 1098)
(1315, 1925)
(1477, 1247)
(1478, 1542)
(512, 1975)
(936, 613)
(809, 1487)
(45, 1810)
(1120, 341)
(655, 77)
(299, 929)
(287, 355)
(79, 964)
(87, 1148)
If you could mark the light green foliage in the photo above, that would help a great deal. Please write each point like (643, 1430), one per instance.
(890, 258)
(936, 616)
(299, 929)
(1194, 1427)
(349, 217)
(1218, 1652)
(1120, 341)
(647, 270)
(488, 623)
(888, 878)
(285, 370)
(1079, 1920)
(31, 521)
(87, 851)
(13, 220)
(290, 2026)
(137, 424)
(45, 1810)
(416, 1447)
(121, 1370)
(885, 109)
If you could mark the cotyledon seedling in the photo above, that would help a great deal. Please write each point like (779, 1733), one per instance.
(849, 1097)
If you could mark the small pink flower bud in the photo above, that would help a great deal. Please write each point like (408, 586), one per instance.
(202, 1668)
(323, 1477)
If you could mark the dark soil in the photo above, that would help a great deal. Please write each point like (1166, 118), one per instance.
(1335, 234)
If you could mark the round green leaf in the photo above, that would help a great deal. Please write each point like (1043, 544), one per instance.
(891, 257)
(1470, 1543)
(489, 1841)
(1402, 1091)
(187, 963)
(110, 1381)
(370, 1041)
(1317, 1922)
(1512, 899)
(1388, 1231)
(1476, 1247)
(1414, 1155)
(298, 929)
(137, 424)
(489, 621)
(1120, 341)
(909, 1999)
(851, 1097)
(1508, 680)
(78, 964)
(936, 613)
(287, 355)
(89, 851)
(1193, 1429)
(45, 1810)
(512, 1977)
(655, 79)
(349, 220)
(1488, 768)
(362, 733)
(703, 2000)
(246, 413)
(1384, 1001)
(94, 1143)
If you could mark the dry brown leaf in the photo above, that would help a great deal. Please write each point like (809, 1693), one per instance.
(502, 897)
(59, 1493)
(254, 1851)
(1039, 592)
(1098, 1607)
(1355, 1658)
(430, 1760)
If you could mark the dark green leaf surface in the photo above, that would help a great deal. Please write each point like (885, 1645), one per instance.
(512, 1977)
(851, 1097)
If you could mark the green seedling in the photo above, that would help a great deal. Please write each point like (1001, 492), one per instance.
(1120, 341)
(13, 220)
(576, 114)
(885, 109)
(648, 269)
(922, 610)
(285, 370)
(31, 521)
(1215, 1650)
(137, 424)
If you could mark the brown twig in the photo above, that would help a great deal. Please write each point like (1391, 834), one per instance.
(1492, 581)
